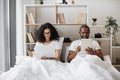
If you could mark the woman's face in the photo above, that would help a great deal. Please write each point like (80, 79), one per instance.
(47, 34)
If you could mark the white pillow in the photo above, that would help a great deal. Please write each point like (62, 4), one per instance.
(61, 39)
(21, 59)
(107, 59)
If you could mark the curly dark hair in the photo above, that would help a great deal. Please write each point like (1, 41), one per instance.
(40, 32)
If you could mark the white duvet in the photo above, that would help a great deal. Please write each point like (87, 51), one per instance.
(81, 68)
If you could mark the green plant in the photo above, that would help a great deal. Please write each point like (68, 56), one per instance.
(111, 25)
(112, 28)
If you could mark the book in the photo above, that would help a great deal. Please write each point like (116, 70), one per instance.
(61, 18)
(30, 18)
(85, 43)
(81, 19)
(30, 37)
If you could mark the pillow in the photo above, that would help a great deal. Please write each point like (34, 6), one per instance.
(66, 51)
(21, 59)
(107, 59)
(61, 39)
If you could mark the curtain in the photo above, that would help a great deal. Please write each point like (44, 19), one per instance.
(4, 34)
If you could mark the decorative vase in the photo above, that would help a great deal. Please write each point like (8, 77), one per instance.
(94, 21)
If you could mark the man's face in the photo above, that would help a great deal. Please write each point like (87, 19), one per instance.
(84, 33)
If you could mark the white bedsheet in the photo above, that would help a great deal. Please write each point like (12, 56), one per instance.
(81, 68)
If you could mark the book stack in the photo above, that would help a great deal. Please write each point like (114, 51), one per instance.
(61, 18)
(81, 19)
(30, 37)
(30, 18)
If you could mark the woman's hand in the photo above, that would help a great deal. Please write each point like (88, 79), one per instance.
(90, 51)
(48, 58)
(44, 57)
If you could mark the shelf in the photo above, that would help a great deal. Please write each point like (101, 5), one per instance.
(98, 26)
(39, 5)
(38, 24)
(101, 38)
(30, 43)
(71, 5)
(69, 24)
(53, 5)
(115, 46)
(115, 65)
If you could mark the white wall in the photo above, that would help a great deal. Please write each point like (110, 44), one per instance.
(103, 8)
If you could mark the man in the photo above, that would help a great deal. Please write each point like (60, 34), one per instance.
(75, 47)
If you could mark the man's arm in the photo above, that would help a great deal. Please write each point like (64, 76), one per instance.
(97, 52)
(72, 54)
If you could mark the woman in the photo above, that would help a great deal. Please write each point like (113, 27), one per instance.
(47, 46)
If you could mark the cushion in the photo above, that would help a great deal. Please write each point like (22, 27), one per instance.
(61, 39)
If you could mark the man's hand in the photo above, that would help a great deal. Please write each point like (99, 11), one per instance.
(78, 49)
(90, 51)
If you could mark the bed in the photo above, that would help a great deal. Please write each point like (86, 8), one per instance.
(89, 67)
(28, 68)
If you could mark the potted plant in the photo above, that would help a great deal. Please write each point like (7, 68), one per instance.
(111, 25)
(112, 28)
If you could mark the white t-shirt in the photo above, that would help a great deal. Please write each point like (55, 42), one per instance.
(46, 50)
(76, 43)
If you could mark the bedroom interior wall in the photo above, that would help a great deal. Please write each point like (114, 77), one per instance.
(96, 8)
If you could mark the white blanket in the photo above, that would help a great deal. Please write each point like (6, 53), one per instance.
(81, 68)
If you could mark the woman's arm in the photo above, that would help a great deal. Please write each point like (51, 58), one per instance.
(57, 54)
